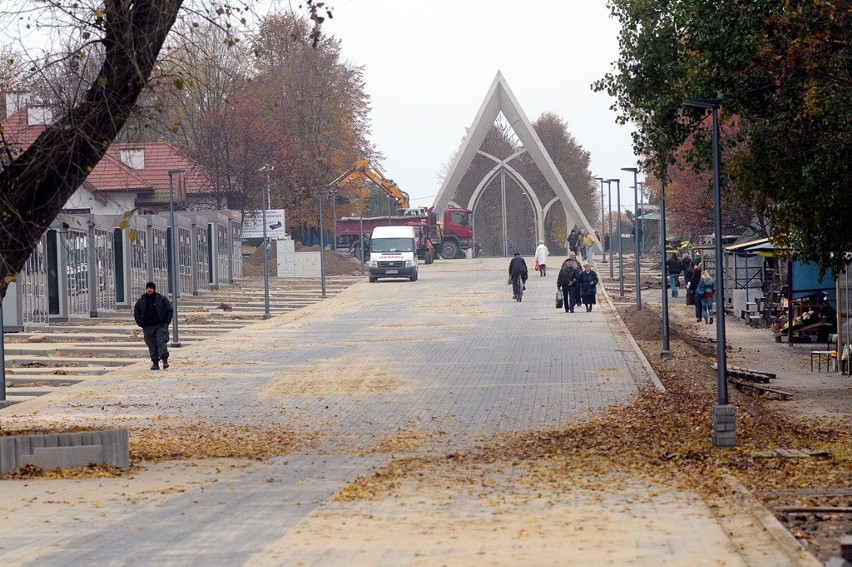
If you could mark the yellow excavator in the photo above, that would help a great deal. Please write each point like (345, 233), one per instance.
(363, 167)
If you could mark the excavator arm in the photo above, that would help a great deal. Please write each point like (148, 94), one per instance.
(362, 167)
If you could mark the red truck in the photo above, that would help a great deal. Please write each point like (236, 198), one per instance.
(449, 237)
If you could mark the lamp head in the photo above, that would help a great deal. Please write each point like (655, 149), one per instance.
(633, 169)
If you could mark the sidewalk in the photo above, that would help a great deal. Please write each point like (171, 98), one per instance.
(393, 380)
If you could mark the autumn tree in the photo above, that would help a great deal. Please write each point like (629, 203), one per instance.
(572, 162)
(316, 110)
(781, 72)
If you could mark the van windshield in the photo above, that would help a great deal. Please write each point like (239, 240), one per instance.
(392, 245)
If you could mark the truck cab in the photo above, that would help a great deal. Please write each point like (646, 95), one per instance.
(393, 253)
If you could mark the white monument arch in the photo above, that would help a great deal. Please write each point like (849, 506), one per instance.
(500, 99)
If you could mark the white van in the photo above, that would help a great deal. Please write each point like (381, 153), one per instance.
(393, 253)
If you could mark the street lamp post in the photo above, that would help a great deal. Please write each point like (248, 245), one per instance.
(173, 255)
(636, 234)
(724, 416)
(322, 247)
(609, 206)
(665, 301)
(620, 244)
(3, 360)
(506, 250)
(603, 222)
(268, 169)
(642, 218)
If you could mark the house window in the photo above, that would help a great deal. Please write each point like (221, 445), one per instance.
(133, 158)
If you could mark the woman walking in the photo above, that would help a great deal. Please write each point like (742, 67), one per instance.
(568, 281)
(541, 254)
(705, 291)
(588, 285)
(697, 300)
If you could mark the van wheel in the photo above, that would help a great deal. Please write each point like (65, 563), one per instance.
(413, 277)
(373, 280)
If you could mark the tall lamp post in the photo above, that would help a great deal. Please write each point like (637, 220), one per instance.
(3, 360)
(603, 222)
(268, 169)
(642, 218)
(620, 243)
(322, 247)
(609, 208)
(636, 234)
(724, 417)
(665, 301)
(173, 255)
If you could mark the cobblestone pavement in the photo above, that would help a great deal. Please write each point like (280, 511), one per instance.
(444, 363)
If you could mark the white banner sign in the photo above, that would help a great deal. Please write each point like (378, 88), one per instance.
(253, 224)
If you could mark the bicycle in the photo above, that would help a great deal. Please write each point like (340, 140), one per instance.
(518, 287)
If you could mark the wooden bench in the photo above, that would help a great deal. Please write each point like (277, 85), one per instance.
(750, 375)
(760, 389)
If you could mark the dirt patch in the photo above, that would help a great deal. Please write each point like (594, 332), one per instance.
(335, 264)
(326, 377)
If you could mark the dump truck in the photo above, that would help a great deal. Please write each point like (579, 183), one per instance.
(448, 235)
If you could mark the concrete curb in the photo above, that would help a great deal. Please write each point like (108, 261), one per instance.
(652, 374)
(786, 541)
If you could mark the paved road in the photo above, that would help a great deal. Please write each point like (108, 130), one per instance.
(441, 364)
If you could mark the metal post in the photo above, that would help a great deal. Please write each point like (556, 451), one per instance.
(603, 222)
(642, 218)
(636, 234)
(724, 434)
(722, 369)
(620, 243)
(505, 229)
(268, 169)
(361, 233)
(333, 193)
(173, 254)
(322, 247)
(611, 240)
(3, 359)
(665, 304)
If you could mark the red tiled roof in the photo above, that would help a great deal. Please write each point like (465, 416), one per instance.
(112, 175)
(161, 157)
(17, 131)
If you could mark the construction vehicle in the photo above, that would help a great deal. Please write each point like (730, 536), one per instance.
(363, 168)
(448, 236)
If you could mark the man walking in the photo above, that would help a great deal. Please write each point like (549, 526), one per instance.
(153, 312)
(673, 267)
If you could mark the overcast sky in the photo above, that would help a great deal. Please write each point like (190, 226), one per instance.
(428, 66)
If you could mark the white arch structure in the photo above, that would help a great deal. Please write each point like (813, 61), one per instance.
(501, 99)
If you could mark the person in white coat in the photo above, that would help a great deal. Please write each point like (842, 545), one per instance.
(541, 253)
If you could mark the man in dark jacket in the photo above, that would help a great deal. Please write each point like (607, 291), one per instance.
(153, 312)
(568, 281)
(673, 267)
(518, 269)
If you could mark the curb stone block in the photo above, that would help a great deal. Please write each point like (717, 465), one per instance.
(66, 450)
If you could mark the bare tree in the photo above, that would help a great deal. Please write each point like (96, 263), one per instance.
(129, 35)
